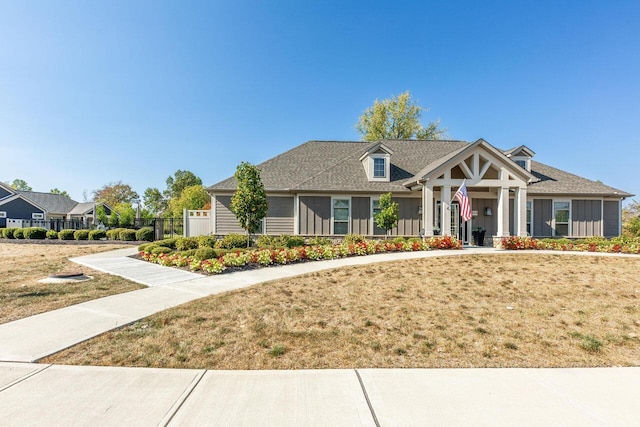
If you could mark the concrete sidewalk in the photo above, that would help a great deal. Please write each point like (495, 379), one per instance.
(32, 394)
(32, 338)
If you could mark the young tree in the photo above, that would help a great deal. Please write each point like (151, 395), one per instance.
(101, 215)
(20, 185)
(631, 219)
(397, 118)
(193, 197)
(249, 202)
(178, 182)
(154, 201)
(124, 213)
(387, 218)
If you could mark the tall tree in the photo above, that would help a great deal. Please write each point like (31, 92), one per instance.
(115, 193)
(397, 118)
(178, 182)
(387, 218)
(631, 219)
(154, 201)
(20, 185)
(249, 202)
(57, 191)
(193, 197)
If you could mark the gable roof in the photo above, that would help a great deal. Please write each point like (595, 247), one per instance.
(51, 203)
(335, 166)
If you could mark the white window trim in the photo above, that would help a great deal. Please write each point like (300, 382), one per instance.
(373, 220)
(553, 219)
(527, 161)
(531, 221)
(3, 214)
(387, 167)
(349, 216)
(37, 215)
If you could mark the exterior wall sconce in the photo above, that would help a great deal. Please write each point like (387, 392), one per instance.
(487, 211)
(419, 210)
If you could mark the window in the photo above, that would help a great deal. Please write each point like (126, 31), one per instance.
(3, 214)
(561, 218)
(379, 168)
(37, 216)
(522, 163)
(340, 216)
(375, 209)
(529, 214)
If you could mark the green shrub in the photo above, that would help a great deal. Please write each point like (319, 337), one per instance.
(399, 239)
(295, 241)
(145, 234)
(188, 253)
(146, 247)
(7, 233)
(167, 243)
(52, 234)
(81, 234)
(206, 242)
(282, 241)
(231, 241)
(127, 235)
(186, 243)
(350, 239)
(35, 233)
(18, 233)
(265, 241)
(114, 234)
(97, 235)
(205, 253)
(320, 241)
(66, 234)
(160, 250)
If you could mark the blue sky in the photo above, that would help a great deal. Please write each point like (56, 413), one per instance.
(97, 92)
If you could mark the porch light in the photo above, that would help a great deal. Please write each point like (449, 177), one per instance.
(419, 210)
(487, 211)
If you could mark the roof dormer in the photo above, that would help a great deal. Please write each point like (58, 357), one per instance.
(377, 162)
(522, 156)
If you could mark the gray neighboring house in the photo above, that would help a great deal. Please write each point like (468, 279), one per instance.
(38, 207)
(333, 187)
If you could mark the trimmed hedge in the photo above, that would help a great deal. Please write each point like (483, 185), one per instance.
(114, 234)
(167, 243)
(127, 235)
(206, 241)
(282, 241)
(52, 234)
(186, 243)
(66, 234)
(35, 233)
(145, 234)
(81, 235)
(97, 235)
(205, 253)
(231, 241)
(18, 233)
(160, 250)
(8, 233)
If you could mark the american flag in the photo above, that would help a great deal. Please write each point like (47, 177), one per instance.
(463, 198)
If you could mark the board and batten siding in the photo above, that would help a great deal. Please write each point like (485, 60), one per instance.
(488, 222)
(586, 218)
(226, 221)
(611, 218)
(20, 209)
(409, 223)
(542, 217)
(315, 215)
(360, 215)
(279, 218)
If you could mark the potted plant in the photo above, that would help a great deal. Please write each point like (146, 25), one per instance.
(478, 235)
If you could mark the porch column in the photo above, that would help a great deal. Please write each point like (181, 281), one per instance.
(445, 212)
(427, 210)
(503, 212)
(521, 211)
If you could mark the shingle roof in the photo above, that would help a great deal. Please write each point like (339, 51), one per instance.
(52, 203)
(82, 208)
(334, 166)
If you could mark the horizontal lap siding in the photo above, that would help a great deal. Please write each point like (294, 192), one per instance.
(409, 223)
(360, 215)
(315, 215)
(586, 218)
(542, 216)
(226, 221)
(280, 215)
(611, 219)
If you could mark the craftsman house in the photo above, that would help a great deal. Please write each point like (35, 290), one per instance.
(332, 188)
(35, 209)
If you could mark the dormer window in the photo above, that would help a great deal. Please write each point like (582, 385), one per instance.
(379, 167)
(377, 162)
(521, 156)
(521, 163)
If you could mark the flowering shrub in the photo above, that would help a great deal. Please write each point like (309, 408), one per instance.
(595, 244)
(265, 257)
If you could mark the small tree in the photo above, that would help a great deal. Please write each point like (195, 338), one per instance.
(101, 215)
(387, 218)
(249, 202)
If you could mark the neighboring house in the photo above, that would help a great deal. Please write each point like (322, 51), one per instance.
(332, 188)
(40, 208)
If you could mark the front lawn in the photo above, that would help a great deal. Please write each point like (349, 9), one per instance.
(502, 310)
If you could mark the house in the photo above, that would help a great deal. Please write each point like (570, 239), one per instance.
(32, 208)
(333, 187)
